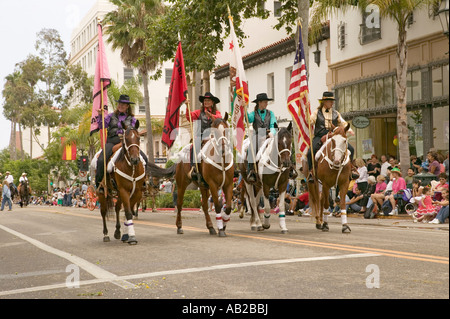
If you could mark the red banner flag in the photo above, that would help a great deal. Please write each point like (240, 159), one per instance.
(177, 95)
(102, 81)
(69, 152)
(298, 97)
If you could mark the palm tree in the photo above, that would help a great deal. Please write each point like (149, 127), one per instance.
(128, 30)
(399, 11)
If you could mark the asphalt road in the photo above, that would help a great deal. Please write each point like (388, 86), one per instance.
(58, 253)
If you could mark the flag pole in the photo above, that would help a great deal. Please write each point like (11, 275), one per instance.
(252, 149)
(190, 122)
(308, 114)
(102, 135)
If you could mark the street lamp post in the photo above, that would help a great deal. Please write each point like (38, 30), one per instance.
(443, 16)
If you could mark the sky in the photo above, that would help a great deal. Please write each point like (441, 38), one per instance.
(20, 21)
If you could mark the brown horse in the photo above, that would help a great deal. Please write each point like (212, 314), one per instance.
(24, 192)
(273, 172)
(217, 169)
(129, 176)
(333, 169)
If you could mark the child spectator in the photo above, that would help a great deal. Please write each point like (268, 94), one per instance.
(442, 205)
(378, 197)
(426, 211)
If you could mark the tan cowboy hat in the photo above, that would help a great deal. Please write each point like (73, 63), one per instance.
(8, 172)
(24, 173)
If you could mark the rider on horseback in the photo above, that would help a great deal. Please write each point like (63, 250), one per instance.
(23, 179)
(113, 120)
(205, 116)
(264, 122)
(10, 179)
(323, 119)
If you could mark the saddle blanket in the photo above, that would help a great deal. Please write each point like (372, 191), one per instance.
(267, 145)
(110, 165)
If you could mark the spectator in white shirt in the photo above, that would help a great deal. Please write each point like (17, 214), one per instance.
(384, 166)
(363, 174)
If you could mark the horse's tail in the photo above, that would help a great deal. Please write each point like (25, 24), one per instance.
(314, 198)
(158, 172)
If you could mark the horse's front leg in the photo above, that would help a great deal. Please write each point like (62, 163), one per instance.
(209, 223)
(117, 208)
(325, 203)
(129, 235)
(282, 213)
(266, 223)
(103, 212)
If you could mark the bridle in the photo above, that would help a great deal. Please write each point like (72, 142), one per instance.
(269, 163)
(216, 143)
(126, 151)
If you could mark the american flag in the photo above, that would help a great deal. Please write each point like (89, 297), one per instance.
(298, 97)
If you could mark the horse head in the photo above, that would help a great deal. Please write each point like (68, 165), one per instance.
(219, 133)
(285, 145)
(131, 142)
(339, 144)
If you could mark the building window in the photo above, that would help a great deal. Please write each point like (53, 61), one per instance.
(271, 85)
(127, 74)
(277, 9)
(370, 30)
(414, 86)
(439, 79)
(168, 75)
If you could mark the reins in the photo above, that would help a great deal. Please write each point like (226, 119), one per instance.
(131, 178)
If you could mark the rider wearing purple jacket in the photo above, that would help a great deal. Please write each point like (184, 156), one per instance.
(113, 121)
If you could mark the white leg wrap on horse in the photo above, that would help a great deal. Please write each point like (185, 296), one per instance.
(129, 226)
(225, 217)
(219, 221)
(343, 217)
(325, 218)
(282, 221)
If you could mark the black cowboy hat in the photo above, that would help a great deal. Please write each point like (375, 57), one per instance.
(327, 96)
(261, 97)
(124, 99)
(208, 95)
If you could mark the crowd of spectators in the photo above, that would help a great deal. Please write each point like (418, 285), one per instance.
(71, 196)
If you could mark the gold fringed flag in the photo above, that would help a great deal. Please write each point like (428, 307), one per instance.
(298, 97)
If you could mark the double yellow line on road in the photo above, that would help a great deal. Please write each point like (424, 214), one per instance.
(361, 249)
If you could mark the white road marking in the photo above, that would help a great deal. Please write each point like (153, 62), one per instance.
(94, 270)
(190, 270)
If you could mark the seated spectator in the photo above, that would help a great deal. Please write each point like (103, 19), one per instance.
(434, 165)
(443, 183)
(373, 166)
(442, 205)
(379, 195)
(299, 203)
(371, 187)
(416, 164)
(416, 188)
(426, 211)
(409, 179)
(398, 185)
(355, 203)
(363, 175)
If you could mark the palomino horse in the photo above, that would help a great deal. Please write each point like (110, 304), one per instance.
(24, 192)
(273, 172)
(129, 176)
(217, 169)
(333, 169)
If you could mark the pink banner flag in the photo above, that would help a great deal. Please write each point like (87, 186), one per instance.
(102, 81)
